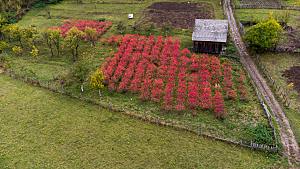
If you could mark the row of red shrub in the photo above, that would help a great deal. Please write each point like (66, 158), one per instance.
(100, 26)
(156, 69)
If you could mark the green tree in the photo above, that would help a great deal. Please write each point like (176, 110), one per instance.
(91, 35)
(73, 39)
(264, 35)
(13, 33)
(29, 36)
(53, 39)
(3, 46)
(121, 28)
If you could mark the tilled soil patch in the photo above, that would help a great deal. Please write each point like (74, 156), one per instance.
(292, 43)
(293, 76)
(179, 15)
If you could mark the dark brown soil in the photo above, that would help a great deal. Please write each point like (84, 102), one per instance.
(179, 15)
(293, 76)
(292, 42)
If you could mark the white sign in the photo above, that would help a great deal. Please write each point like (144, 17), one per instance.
(130, 16)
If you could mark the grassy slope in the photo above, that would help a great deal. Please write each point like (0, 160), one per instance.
(239, 116)
(39, 129)
(235, 126)
(276, 64)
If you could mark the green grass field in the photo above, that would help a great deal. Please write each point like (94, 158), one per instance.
(276, 64)
(39, 129)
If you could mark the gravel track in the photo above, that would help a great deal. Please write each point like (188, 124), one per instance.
(290, 145)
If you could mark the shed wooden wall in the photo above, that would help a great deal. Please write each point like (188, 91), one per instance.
(207, 47)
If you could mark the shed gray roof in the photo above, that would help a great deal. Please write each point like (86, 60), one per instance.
(210, 30)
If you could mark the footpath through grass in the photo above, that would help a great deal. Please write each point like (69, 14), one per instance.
(40, 129)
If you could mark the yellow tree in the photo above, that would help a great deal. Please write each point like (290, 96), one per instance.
(96, 80)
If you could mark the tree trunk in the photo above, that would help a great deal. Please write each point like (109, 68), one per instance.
(50, 46)
(57, 47)
(76, 51)
(74, 55)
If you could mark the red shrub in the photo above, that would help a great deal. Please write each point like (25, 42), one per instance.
(181, 90)
(205, 96)
(157, 90)
(100, 26)
(241, 86)
(155, 68)
(219, 104)
(168, 99)
(216, 71)
(227, 81)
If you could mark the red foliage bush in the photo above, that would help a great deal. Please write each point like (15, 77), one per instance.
(155, 68)
(241, 86)
(205, 95)
(157, 90)
(219, 104)
(228, 84)
(100, 26)
(216, 72)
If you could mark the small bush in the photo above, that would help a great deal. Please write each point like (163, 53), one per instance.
(264, 35)
(101, 19)
(261, 133)
(80, 70)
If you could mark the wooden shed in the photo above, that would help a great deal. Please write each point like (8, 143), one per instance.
(210, 36)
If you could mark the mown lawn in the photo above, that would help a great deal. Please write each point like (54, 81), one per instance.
(39, 129)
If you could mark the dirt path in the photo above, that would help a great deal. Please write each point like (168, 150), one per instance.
(290, 145)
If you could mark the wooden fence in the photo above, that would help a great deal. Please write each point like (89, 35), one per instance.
(282, 93)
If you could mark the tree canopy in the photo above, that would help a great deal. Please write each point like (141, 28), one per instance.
(264, 35)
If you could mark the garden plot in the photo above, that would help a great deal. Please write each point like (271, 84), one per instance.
(179, 15)
(293, 76)
(274, 4)
(291, 42)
